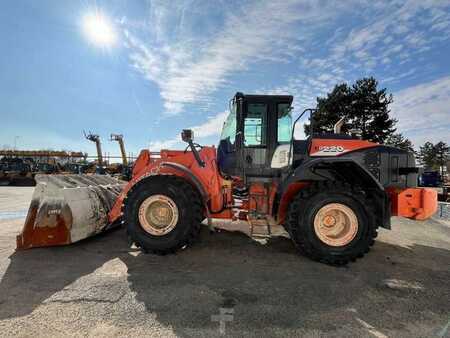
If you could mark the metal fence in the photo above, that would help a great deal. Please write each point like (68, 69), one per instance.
(443, 211)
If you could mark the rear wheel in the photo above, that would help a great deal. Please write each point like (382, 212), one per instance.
(332, 223)
(162, 214)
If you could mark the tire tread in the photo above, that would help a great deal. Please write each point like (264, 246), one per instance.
(297, 231)
(196, 206)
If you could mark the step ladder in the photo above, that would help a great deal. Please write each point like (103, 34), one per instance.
(259, 227)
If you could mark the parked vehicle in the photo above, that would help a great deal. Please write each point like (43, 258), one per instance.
(331, 191)
(430, 179)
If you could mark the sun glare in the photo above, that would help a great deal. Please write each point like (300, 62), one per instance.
(99, 30)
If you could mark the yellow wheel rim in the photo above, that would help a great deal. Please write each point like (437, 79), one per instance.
(336, 224)
(158, 215)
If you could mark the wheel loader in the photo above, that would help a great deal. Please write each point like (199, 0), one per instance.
(330, 191)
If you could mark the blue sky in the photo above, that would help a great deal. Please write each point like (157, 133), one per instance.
(175, 64)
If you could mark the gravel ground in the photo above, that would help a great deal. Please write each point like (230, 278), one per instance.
(100, 287)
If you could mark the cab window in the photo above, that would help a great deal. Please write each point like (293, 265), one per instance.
(284, 123)
(255, 124)
(229, 126)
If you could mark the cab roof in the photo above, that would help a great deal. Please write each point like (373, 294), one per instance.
(256, 97)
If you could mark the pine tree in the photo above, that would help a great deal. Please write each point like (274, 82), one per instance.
(364, 106)
(442, 151)
(399, 141)
(434, 156)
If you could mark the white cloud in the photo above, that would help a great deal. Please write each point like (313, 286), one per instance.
(396, 27)
(420, 136)
(386, 41)
(189, 67)
(423, 111)
(188, 71)
(212, 127)
(165, 144)
(400, 76)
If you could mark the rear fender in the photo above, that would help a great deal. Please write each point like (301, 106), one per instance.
(334, 169)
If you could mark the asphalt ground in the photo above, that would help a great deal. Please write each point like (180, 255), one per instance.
(101, 287)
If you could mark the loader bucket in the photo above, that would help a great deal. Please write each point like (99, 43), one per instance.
(67, 208)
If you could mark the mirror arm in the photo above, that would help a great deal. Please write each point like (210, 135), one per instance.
(187, 136)
(197, 157)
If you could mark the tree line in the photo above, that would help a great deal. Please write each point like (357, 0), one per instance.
(367, 112)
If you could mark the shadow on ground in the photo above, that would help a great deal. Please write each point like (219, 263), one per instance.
(266, 285)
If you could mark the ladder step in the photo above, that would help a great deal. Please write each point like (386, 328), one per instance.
(260, 228)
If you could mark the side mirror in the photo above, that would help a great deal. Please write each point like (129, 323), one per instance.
(187, 135)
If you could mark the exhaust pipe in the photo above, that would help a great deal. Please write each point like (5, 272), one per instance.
(338, 126)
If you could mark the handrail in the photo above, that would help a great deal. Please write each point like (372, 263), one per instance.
(312, 110)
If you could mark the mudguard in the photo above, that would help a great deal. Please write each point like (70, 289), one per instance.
(332, 168)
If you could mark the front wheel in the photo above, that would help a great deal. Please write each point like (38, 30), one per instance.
(162, 214)
(332, 223)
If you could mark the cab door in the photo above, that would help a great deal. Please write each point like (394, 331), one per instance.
(258, 137)
(256, 126)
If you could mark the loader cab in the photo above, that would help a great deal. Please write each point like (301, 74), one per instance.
(257, 127)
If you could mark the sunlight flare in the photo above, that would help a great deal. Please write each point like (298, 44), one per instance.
(99, 29)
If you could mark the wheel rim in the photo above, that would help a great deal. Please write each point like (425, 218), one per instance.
(158, 215)
(336, 224)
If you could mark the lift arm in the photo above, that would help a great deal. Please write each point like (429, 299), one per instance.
(96, 139)
(119, 138)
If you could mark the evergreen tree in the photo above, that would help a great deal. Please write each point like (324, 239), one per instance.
(364, 106)
(399, 141)
(434, 156)
(442, 151)
(427, 155)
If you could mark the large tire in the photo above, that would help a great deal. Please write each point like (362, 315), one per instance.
(186, 226)
(304, 211)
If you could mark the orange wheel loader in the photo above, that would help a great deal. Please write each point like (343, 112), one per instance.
(329, 191)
